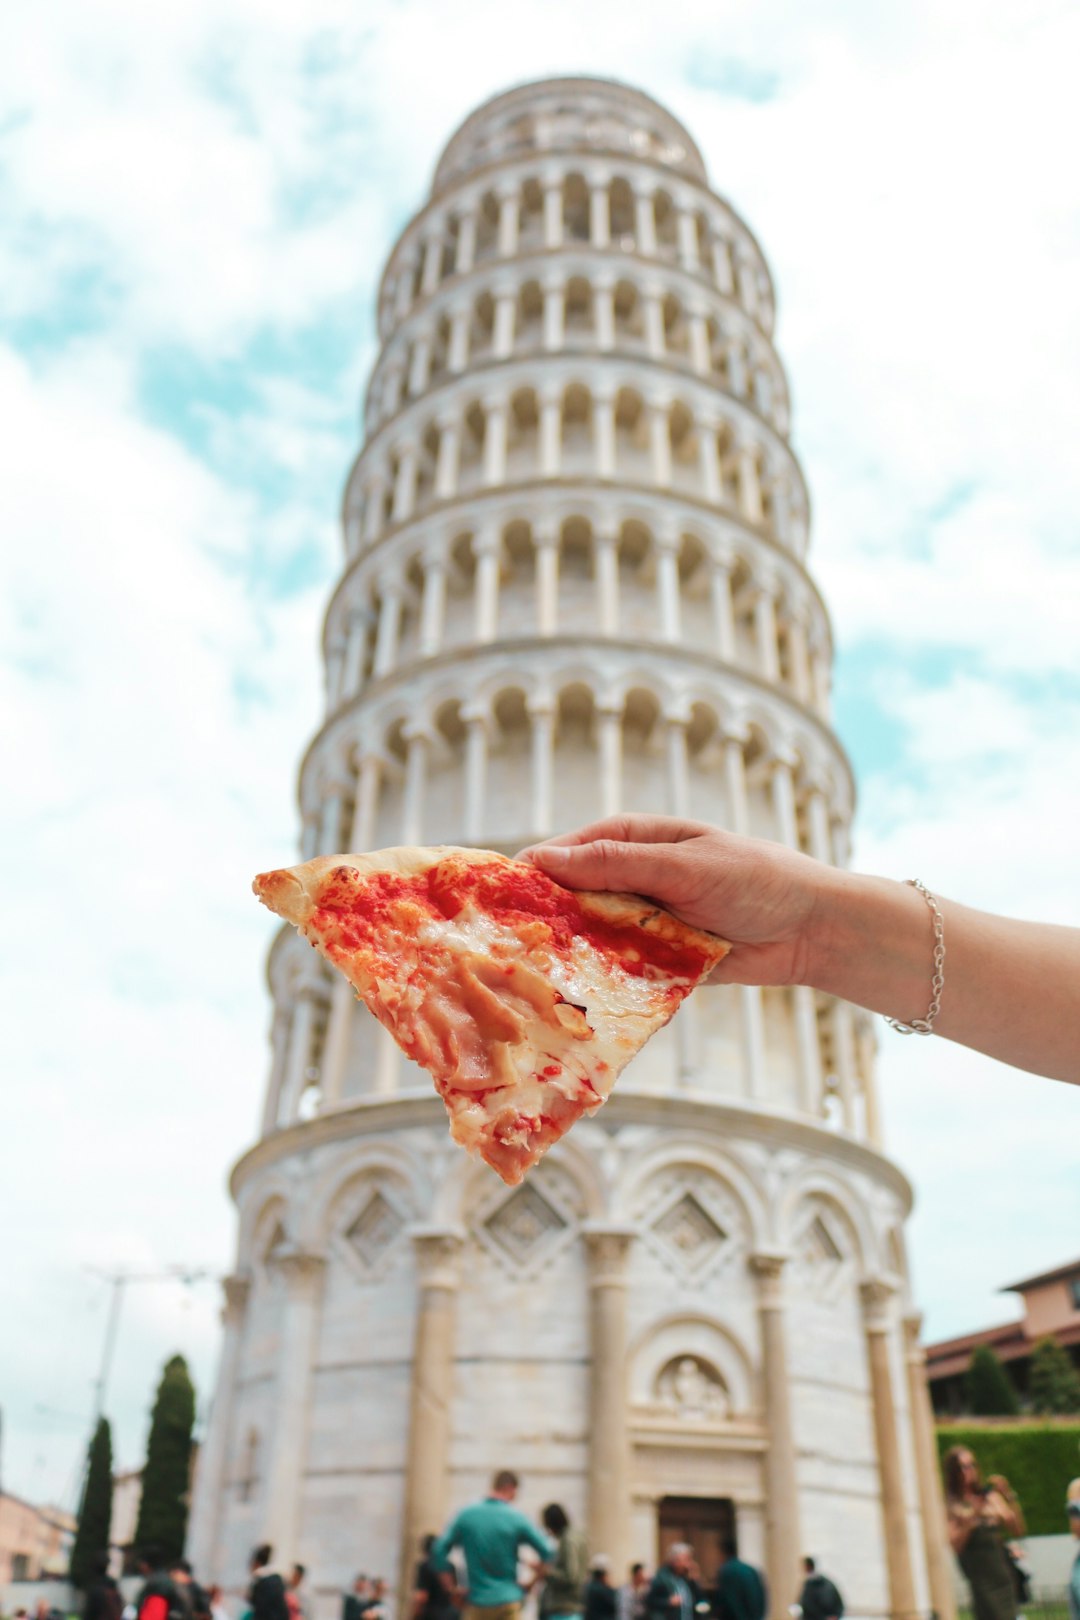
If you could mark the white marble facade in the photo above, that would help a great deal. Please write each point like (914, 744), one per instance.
(574, 582)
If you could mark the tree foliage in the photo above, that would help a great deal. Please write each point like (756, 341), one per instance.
(1053, 1382)
(163, 1508)
(987, 1386)
(95, 1509)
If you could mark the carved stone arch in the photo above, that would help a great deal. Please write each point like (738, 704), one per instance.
(844, 1207)
(365, 1208)
(469, 1194)
(266, 1223)
(706, 1341)
(636, 1188)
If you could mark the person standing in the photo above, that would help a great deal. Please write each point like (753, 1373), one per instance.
(669, 1596)
(564, 1582)
(266, 1594)
(103, 1599)
(819, 1598)
(600, 1595)
(357, 1600)
(432, 1598)
(292, 1592)
(490, 1535)
(980, 1519)
(1072, 1509)
(630, 1597)
(740, 1589)
(160, 1597)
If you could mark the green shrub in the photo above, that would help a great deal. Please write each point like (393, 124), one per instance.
(988, 1387)
(1038, 1460)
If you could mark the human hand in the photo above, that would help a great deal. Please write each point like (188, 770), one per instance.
(761, 896)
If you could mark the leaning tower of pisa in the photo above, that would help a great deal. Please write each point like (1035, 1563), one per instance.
(575, 582)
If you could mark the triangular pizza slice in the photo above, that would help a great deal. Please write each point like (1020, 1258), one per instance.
(522, 998)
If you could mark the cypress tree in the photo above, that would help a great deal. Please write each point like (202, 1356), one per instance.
(163, 1508)
(987, 1386)
(95, 1509)
(1053, 1384)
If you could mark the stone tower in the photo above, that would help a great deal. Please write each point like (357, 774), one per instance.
(575, 582)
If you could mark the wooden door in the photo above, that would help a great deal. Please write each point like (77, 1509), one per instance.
(703, 1522)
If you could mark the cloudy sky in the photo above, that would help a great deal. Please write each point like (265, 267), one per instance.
(196, 203)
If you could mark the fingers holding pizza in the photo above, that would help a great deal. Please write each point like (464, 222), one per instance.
(760, 896)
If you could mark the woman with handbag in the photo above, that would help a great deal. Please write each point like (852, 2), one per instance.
(981, 1520)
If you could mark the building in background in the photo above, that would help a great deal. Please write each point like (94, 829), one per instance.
(575, 581)
(35, 1542)
(1051, 1307)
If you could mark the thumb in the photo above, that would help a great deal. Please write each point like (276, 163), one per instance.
(608, 863)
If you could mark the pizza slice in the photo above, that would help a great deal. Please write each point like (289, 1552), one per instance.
(522, 998)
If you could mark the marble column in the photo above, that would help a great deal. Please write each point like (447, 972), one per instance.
(412, 809)
(551, 402)
(460, 322)
(204, 1534)
(553, 210)
(542, 718)
(645, 221)
(877, 1319)
(751, 1017)
(653, 299)
(609, 737)
(840, 1016)
(330, 821)
(678, 767)
(700, 358)
(509, 219)
(660, 442)
(721, 257)
(817, 822)
(723, 607)
(931, 1494)
(607, 582)
(607, 1249)
(335, 665)
(449, 456)
(279, 1049)
(783, 1540)
(466, 244)
(405, 482)
(866, 1046)
(420, 364)
(432, 271)
(712, 478)
(799, 657)
(476, 745)
(487, 547)
(554, 312)
(505, 314)
(298, 1059)
(686, 227)
(496, 412)
(546, 534)
(433, 603)
(343, 997)
(427, 1459)
(604, 434)
(302, 1273)
(604, 312)
(768, 645)
(667, 585)
(386, 637)
(599, 212)
(373, 508)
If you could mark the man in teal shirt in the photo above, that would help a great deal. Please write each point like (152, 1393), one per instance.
(490, 1535)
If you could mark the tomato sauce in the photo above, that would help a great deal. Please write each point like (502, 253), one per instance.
(516, 895)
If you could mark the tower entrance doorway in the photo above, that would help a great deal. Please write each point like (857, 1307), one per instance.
(702, 1521)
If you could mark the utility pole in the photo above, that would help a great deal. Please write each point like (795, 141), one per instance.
(118, 1281)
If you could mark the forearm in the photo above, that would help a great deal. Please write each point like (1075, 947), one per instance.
(1012, 989)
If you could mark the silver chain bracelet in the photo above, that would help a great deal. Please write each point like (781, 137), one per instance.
(925, 1026)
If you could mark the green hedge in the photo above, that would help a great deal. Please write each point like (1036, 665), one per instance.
(1038, 1460)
